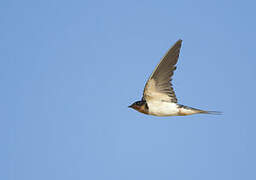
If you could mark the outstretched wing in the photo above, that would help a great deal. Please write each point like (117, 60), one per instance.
(158, 86)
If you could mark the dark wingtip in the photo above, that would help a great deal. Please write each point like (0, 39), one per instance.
(179, 41)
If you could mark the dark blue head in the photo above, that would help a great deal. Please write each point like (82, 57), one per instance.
(137, 104)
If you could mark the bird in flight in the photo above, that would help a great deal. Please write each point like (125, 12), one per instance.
(159, 98)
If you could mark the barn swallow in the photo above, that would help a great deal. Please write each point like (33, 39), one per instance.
(159, 98)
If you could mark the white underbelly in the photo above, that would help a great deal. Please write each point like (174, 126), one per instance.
(160, 108)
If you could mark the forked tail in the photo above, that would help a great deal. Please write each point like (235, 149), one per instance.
(186, 110)
(211, 112)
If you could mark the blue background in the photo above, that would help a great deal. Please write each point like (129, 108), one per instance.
(69, 69)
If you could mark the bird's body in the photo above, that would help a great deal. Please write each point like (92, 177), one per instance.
(159, 97)
(162, 108)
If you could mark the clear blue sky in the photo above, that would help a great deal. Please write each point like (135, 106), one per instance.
(69, 69)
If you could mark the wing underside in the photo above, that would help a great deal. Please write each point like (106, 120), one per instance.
(159, 84)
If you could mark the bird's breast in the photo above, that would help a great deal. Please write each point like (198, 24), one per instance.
(160, 108)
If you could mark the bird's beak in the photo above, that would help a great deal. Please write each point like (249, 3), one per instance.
(130, 106)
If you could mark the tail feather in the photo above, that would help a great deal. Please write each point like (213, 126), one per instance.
(186, 110)
(211, 112)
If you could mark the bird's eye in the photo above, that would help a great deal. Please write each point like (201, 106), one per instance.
(138, 103)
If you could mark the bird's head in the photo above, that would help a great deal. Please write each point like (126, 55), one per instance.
(137, 104)
(140, 106)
